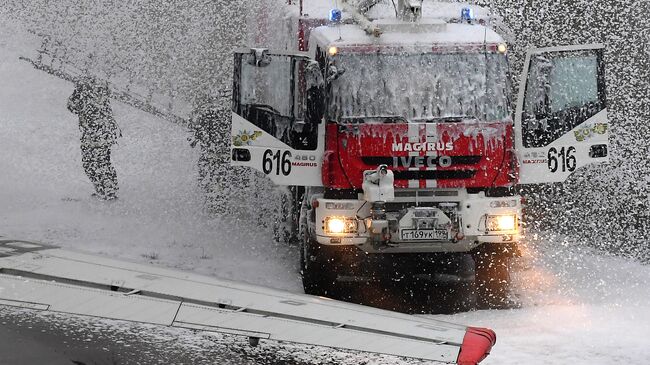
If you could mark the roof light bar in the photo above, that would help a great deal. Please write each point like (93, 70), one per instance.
(336, 15)
(467, 15)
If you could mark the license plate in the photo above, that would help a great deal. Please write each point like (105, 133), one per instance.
(423, 234)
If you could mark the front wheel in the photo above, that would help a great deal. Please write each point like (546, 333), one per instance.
(492, 280)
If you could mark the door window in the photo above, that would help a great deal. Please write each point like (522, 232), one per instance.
(564, 90)
(272, 95)
(574, 83)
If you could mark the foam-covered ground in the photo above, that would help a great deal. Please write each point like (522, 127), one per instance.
(579, 307)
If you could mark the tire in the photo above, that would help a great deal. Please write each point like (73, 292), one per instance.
(318, 277)
(492, 280)
(465, 300)
(458, 296)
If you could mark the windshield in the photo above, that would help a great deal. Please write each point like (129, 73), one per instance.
(420, 87)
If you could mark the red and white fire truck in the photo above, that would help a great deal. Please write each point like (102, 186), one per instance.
(394, 126)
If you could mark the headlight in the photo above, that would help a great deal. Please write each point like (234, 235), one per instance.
(501, 222)
(340, 225)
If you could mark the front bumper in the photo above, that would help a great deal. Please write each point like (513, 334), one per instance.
(465, 223)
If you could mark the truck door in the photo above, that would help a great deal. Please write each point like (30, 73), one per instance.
(272, 131)
(561, 117)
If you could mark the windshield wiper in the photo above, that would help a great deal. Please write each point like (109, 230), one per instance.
(383, 119)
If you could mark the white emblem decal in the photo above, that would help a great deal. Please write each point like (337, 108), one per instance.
(423, 147)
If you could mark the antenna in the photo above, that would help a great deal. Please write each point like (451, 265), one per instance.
(338, 23)
(485, 50)
(485, 28)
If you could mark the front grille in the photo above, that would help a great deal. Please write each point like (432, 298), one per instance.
(434, 174)
(400, 206)
(424, 193)
(388, 160)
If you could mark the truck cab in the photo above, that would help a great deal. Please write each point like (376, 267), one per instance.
(401, 145)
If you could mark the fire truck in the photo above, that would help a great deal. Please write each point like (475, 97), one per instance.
(394, 126)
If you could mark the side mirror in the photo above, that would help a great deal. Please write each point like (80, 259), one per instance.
(314, 75)
(315, 93)
(334, 72)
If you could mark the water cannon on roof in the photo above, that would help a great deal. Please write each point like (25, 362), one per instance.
(357, 12)
(409, 10)
(364, 5)
(467, 15)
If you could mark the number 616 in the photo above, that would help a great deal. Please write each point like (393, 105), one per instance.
(566, 155)
(281, 162)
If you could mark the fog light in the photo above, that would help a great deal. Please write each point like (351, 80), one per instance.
(339, 206)
(503, 203)
(340, 225)
(501, 222)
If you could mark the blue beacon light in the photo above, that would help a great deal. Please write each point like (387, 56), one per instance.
(335, 15)
(467, 15)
